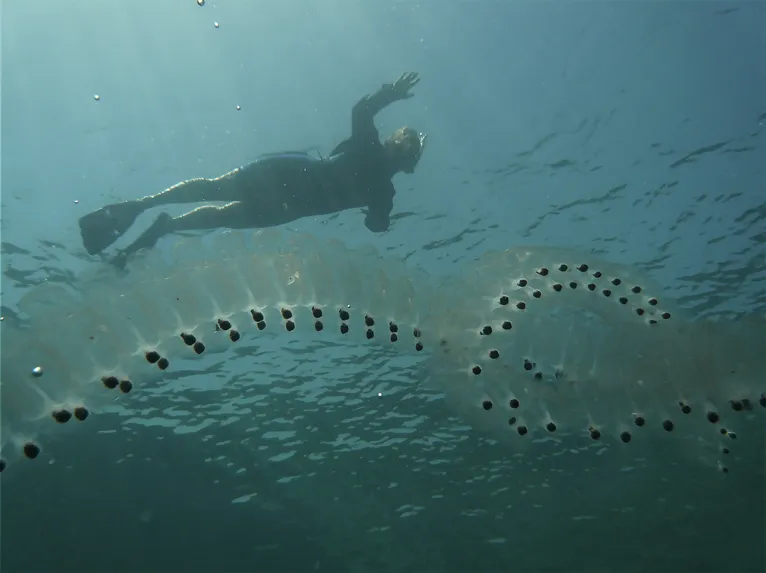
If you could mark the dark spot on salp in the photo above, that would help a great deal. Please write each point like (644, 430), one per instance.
(393, 327)
(286, 313)
(163, 363)
(487, 404)
(31, 450)
(486, 330)
(667, 425)
(635, 289)
(514, 403)
(289, 326)
(559, 374)
(736, 405)
(762, 400)
(62, 416)
(507, 326)
(81, 413)
(595, 433)
(550, 426)
(504, 300)
(494, 354)
(607, 292)
(591, 287)
(747, 405)
(522, 430)
(528, 365)
(725, 451)
(537, 294)
(416, 333)
(476, 370)
(343, 314)
(522, 283)
(731, 435)
(538, 375)
(665, 315)
(573, 285)
(557, 287)
(223, 324)
(3, 465)
(625, 437)
(685, 408)
(652, 302)
(713, 417)
(110, 382)
(316, 312)
(198, 347)
(152, 356)
(623, 300)
(597, 274)
(234, 335)
(126, 386)
(639, 421)
(368, 320)
(418, 346)
(394, 337)
(188, 339)
(318, 326)
(616, 282)
(582, 268)
(724, 469)
(542, 272)
(640, 311)
(261, 324)
(652, 321)
(257, 316)
(370, 334)
(563, 268)
(521, 305)
(344, 328)
(511, 420)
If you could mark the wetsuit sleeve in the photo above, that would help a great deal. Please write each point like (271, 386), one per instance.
(378, 216)
(363, 114)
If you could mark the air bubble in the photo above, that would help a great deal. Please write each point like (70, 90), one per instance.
(37, 371)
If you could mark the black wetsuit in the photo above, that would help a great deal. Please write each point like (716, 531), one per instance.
(289, 186)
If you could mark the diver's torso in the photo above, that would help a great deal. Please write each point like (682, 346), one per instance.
(300, 185)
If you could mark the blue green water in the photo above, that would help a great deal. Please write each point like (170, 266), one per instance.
(631, 130)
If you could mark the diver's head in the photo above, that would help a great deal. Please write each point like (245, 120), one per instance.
(404, 147)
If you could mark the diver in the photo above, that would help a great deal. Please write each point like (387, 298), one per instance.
(280, 187)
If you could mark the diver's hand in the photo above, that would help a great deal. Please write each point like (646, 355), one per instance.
(401, 88)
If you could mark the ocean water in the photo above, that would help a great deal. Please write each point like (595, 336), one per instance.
(615, 145)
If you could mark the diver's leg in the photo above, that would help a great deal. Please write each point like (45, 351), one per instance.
(101, 228)
(231, 186)
(236, 215)
(231, 216)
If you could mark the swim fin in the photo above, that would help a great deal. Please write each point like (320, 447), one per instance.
(103, 227)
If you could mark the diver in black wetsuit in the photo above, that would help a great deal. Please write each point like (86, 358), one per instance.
(281, 187)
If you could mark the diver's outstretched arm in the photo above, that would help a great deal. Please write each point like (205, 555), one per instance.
(363, 113)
